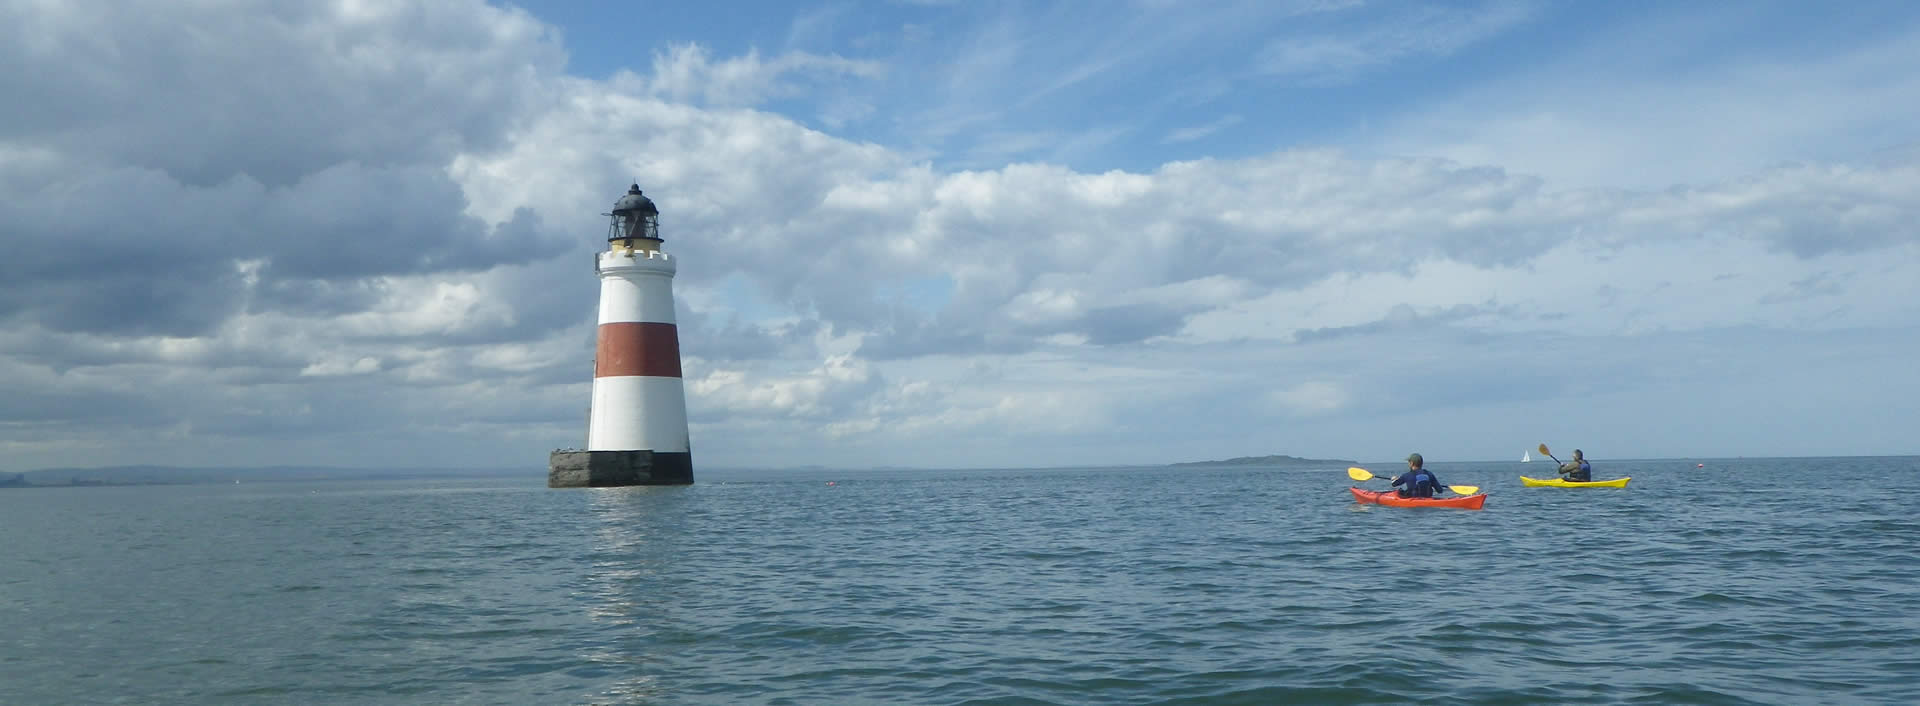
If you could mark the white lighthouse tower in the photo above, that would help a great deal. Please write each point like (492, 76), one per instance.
(637, 426)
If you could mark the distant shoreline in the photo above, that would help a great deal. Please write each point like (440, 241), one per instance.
(123, 476)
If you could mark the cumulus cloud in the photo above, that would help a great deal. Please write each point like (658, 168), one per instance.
(1041, 260)
(207, 91)
(394, 250)
(181, 165)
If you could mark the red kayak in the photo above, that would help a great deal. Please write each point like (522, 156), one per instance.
(1470, 502)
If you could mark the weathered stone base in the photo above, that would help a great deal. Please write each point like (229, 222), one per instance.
(611, 469)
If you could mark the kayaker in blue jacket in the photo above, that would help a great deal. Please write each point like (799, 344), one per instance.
(1417, 482)
(1577, 470)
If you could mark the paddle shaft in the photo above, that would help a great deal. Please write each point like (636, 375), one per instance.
(1362, 474)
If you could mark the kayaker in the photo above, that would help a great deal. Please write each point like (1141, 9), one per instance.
(1417, 482)
(1577, 470)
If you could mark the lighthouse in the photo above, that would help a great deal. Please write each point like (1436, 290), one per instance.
(637, 424)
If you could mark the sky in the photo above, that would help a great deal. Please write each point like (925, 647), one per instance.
(963, 234)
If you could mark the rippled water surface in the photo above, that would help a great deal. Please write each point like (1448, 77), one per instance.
(1111, 586)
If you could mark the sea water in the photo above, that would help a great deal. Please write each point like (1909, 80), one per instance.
(1788, 581)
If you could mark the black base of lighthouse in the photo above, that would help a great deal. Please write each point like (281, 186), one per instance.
(613, 469)
(672, 468)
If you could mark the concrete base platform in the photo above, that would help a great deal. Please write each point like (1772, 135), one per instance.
(612, 469)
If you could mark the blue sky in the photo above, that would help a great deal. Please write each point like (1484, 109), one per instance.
(1134, 85)
(964, 234)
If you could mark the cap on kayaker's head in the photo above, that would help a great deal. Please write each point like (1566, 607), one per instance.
(1415, 461)
(1576, 454)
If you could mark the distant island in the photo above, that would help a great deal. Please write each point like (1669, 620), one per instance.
(1277, 460)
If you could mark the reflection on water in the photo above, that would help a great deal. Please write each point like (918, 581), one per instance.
(637, 537)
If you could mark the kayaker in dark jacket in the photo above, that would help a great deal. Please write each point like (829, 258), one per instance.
(1578, 469)
(1417, 482)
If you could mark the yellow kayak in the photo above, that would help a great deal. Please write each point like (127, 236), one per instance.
(1564, 483)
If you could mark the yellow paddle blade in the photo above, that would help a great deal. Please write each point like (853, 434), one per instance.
(1464, 489)
(1358, 473)
(1544, 451)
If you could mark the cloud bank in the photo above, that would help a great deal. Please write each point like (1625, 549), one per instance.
(361, 235)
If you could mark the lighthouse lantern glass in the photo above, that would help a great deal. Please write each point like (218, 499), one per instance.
(628, 225)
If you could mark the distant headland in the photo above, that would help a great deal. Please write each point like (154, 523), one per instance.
(1276, 460)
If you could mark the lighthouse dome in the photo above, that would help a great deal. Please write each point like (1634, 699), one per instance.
(635, 202)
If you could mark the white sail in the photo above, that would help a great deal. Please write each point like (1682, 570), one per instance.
(1526, 457)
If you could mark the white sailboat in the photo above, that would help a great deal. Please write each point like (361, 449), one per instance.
(1526, 457)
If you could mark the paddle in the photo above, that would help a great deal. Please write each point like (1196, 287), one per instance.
(1543, 449)
(1556, 459)
(1362, 474)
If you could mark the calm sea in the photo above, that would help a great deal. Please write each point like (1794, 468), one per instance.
(1786, 581)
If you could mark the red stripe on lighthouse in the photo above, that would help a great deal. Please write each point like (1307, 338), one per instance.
(638, 348)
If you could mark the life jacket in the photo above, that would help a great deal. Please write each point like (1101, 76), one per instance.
(1419, 486)
(1582, 474)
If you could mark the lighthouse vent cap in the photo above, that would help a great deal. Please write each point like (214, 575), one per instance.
(635, 203)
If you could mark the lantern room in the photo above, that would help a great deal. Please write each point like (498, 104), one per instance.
(636, 222)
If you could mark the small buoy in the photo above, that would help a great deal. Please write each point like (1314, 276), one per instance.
(1699, 465)
(829, 482)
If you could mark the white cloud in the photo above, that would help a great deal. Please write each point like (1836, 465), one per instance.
(1600, 116)
(850, 302)
(1189, 134)
(1048, 264)
(984, 84)
(823, 392)
(1416, 31)
(274, 91)
(336, 367)
(688, 73)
